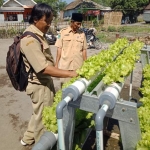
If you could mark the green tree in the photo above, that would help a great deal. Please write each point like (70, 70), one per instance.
(1, 2)
(103, 2)
(127, 6)
(57, 5)
(49, 2)
(61, 5)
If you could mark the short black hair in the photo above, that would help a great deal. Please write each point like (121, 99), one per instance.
(39, 10)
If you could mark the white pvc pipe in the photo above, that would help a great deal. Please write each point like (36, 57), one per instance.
(130, 91)
(99, 140)
(113, 91)
(86, 81)
(67, 99)
(80, 85)
(105, 107)
(61, 140)
(119, 87)
(56, 135)
(61, 134)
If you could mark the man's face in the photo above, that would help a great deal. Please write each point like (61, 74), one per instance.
(75, 25)
(43, 24)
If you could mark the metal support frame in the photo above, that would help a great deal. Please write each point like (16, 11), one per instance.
(125, 112)
(145, 55)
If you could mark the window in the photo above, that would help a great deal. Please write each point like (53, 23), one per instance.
(12, 17)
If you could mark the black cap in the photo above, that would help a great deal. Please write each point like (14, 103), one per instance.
(77, 17)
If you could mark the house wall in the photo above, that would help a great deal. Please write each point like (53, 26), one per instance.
(20, 17)
(1, 17)
(15, 15)
(26, 14)
(68, 13)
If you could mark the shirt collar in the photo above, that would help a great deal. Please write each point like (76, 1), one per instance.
(70, 30)
(34, 29)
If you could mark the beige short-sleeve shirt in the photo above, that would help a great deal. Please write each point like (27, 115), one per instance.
(34, 55)
(72, 45)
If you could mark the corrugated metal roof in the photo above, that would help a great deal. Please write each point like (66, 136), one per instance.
(83, 4)
(73, 4)
(27, 2)
(147, 7)
(10, 3)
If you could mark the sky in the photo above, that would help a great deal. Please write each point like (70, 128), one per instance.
(68, 1)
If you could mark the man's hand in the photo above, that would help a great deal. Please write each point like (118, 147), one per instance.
(73, 73)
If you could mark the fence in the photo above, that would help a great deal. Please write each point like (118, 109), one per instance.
(15, 26)
(112, 18)
(9, 29)
(88, 24)
(24, 25)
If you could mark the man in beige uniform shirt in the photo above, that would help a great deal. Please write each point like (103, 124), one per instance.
(40, 88)
(72, 45)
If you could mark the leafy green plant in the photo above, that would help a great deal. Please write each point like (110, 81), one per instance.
(125, 62)
(144, 112)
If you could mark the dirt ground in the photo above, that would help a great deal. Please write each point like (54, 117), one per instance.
(15, 108)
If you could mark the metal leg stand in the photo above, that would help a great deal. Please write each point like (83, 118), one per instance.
(68, 127)
(126, 113)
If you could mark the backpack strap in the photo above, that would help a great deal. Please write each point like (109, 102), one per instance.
(33, 35)
(31, 70)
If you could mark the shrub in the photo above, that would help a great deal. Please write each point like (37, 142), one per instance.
(11, 32)
(122, 29)
(3, 33)
(103, 29)
(95, 22)
(101, 21)
(140, 18)
(111, 29)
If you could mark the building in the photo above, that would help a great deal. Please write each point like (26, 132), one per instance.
(147, 7)
(146, 14)
(16, 10)
(88, 8)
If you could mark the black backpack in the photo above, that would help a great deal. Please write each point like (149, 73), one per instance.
(15, 66)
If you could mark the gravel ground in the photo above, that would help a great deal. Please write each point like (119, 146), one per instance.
(16, 108)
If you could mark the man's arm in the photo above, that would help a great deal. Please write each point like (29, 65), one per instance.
(58, 56)
(59, 73)
(84, 54)
(58, 44)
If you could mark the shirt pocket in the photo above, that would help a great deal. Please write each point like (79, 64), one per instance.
(79, 43)
(66, 41)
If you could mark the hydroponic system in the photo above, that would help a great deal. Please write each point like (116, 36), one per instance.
(86, 100)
